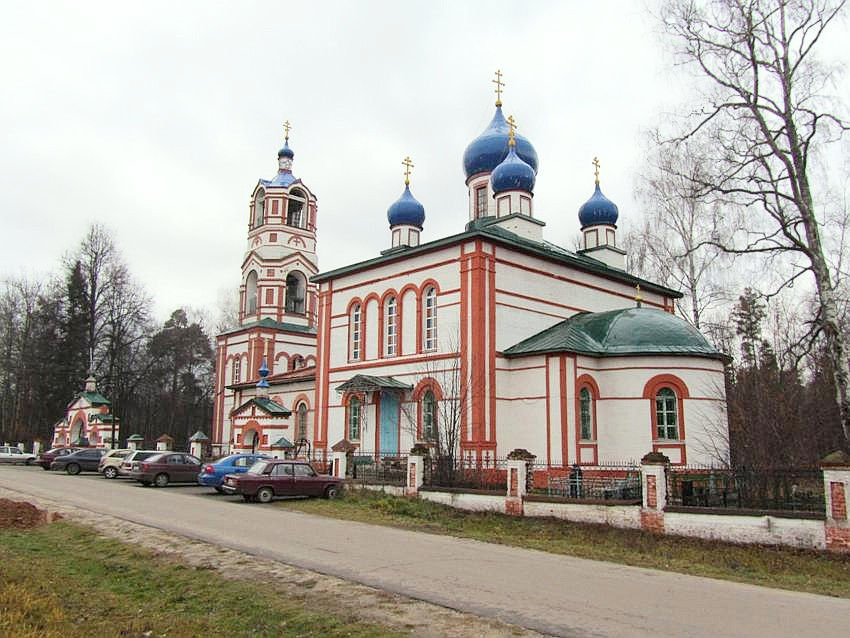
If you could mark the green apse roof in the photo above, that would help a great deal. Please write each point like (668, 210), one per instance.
(625, 332)
(264, 403)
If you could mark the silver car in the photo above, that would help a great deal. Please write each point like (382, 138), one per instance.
(11, 454)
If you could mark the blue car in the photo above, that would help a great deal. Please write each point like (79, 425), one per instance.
(212, 474)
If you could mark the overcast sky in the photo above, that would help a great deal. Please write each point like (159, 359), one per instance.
(157, 119)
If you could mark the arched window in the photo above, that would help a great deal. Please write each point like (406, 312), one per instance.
(295, 289)
(666, 414)
(354, 332)
(295, 209)
(236, 370)
(429, 319)
(259, 208)
(585, 400)
(296, 362)
(429, 416)
(354, 408)
(301, 421)
(251, 293)
(390, 328)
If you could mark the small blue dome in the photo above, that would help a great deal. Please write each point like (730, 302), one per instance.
(286, 151)
(488, 150)
(598, 210)
(406, 211)
(512, 174)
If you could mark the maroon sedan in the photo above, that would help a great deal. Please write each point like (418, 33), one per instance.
(165, 468)
(276, 477)
(46, 458)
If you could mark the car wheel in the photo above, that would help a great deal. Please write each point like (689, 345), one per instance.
(265, 495)
(161, 480)
(110, 472)
(72, 468)
(219, 489)
(331, 491)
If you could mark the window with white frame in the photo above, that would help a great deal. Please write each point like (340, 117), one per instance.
(429, 319)
(354, 414)
(236, 370)
(480, 202)
(666, 414)
(301, 421)
(251, 293)
(354, 332)
(390, 327)
(586, 413)
(429, 416)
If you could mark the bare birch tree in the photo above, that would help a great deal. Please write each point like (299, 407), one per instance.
(765, 119)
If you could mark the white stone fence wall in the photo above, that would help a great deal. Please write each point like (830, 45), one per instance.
(811, 531)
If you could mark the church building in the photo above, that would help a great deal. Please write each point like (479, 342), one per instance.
(481, 342)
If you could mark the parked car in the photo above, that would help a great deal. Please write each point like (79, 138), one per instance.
(165, 468)
(212, 474)
(135, 457)
(46, 458)
(11, 454)
(268, 478)
(85, 460)
(111, 461)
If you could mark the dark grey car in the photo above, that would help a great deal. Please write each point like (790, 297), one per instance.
(86, 460)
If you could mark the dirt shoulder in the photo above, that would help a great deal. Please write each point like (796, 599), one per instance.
(366, 603)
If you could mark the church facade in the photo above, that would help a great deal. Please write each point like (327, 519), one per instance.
(481, 342)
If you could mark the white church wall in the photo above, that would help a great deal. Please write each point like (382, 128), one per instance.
(409, 322)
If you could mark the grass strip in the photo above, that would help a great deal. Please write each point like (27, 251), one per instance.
(779, 567)
(63, 580)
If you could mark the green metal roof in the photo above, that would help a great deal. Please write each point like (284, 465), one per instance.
(199, 436)
(95, 398)
(369, 383)
(485, 228)
(275, 325)
(136, 437)
(282, 442)
(267, 405)
(624, 332)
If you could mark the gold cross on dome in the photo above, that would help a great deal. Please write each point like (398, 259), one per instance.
(408, 164)
(286, 127)
(512, 132)
(499, 84)
(595, 162)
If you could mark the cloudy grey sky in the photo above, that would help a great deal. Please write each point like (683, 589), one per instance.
(158, 118)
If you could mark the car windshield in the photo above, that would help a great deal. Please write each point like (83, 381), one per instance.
(258, 468)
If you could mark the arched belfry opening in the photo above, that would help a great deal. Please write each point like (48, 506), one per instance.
(296, 292)
(296, 209)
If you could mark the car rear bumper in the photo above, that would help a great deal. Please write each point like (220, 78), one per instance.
(209, 480)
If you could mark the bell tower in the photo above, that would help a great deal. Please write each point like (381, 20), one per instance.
(280, 256)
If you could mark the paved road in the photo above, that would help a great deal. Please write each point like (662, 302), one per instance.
(552, 594)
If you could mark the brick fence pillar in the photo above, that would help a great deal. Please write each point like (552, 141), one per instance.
(836, 483)
(339, 465)
(653, 473)
(519, 462)
(415, 474)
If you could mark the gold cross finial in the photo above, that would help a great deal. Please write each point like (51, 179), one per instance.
(596, 171)
(286, 127)
(408, 164)
(638, 298)
(511, 133)
(499, 84)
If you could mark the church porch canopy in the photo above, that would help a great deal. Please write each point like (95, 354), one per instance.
(270, 407)
(369, 383)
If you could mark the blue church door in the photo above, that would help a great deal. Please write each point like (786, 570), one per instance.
(389, 424)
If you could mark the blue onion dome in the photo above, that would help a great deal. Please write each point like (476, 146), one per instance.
(598, 210)
(286, 151)
(513, 174)
(488, 150)
(406, 211)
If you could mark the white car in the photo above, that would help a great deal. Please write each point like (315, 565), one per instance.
(11, 454)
